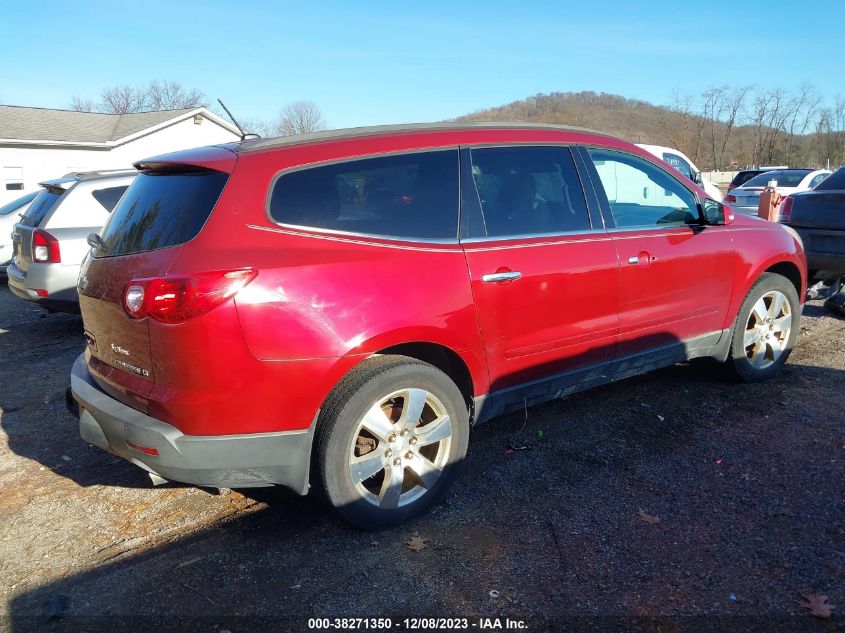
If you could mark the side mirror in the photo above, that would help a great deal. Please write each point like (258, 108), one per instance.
(697, 178)
(715, 213)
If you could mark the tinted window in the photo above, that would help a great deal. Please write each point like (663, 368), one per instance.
(641, 194)
(785, 178)
(678, 163)
(109, 197)
(16, 204)
(41, 206)
(409, 196)
(835, 181)
(528, 191)
(160, 210)
(744, 176)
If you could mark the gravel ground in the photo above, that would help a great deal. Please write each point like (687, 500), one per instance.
(672, 501)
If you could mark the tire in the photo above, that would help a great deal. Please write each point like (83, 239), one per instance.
(765, 329)
(377, 467)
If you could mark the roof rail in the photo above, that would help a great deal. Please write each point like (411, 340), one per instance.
(378, 130)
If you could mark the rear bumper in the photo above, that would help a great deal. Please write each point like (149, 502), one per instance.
(221, 461)
(829, 261)
(747, 210)
(57, 280)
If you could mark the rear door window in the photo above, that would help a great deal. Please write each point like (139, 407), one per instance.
(641, 194)
(41, 206)
(160, 210)
(528, 191)
(406, 196)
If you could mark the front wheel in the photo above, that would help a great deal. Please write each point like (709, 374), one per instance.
(390, 437)
(765, 329)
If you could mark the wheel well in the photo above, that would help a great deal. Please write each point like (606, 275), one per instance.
(441, 357)
(790, 271)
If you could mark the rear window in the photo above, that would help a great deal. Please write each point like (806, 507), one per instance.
(16, 204)
(41, 206)
(743, 177)
(411, 196)
(160, 210)
(835, 181)
(790, 178)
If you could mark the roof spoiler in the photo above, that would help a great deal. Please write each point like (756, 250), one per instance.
(213, 158)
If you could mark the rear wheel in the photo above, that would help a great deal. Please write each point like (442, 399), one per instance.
(765, 328)
(390, 437)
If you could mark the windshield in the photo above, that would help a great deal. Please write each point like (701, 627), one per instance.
(41, 206)
(785, 178)
(160, 210)
(17, 203)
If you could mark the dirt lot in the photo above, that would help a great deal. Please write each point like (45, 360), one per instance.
(745, 480)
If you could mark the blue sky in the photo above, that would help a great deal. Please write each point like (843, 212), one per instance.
(385, 62)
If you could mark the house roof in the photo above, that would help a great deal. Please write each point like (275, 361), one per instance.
(19, 123)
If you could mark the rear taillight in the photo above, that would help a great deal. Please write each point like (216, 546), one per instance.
(45, 248)
(785, 210)
(730, 198)
(177, 298)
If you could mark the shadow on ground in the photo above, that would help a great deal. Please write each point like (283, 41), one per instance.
(744, 482)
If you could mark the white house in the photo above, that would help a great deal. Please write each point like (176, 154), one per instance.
(38, 144)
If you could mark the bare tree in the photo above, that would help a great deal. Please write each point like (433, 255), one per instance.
(675, 121)
(300, 117)
(122, 100)
(82, 105)
(171, 95)
(733, 107)
(262, 127)
(157, 95)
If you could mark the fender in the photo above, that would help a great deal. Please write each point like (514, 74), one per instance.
(759, 249)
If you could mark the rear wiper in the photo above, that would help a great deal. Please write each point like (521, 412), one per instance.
(95, 241)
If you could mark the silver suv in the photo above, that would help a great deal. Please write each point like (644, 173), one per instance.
(50, 240)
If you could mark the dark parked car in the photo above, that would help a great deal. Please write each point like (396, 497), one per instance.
(745, 175)
(818, 216)
(338, 309)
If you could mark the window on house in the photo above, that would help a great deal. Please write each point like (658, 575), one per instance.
(13, 178)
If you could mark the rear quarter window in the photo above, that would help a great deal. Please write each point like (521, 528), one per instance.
(109, 196)
(408, 196)
(87, 205)
(161, 210)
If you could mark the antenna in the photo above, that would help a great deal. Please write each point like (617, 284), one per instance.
(234, 120)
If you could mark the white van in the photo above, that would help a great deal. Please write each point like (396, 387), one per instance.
(677, 159)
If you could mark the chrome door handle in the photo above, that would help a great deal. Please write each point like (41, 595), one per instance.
(511, 275)
(637, 259)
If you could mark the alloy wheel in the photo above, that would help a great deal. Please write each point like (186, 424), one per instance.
(400, 448)
(767, 330)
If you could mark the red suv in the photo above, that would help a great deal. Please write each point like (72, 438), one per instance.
(340, 308)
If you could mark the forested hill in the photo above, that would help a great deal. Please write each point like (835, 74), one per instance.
(722, 128)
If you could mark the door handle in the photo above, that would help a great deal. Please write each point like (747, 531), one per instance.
(510, 275)
(642, 258)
